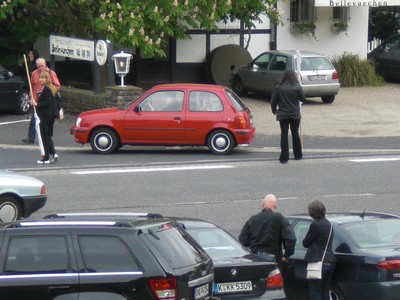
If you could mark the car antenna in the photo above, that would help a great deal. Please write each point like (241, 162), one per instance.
(363, 215)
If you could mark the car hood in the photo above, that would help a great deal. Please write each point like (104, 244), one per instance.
(102, 111)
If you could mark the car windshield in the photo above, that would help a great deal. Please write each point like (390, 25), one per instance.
(371, 234)
(217, 243)
(315, 63)
(235, 100)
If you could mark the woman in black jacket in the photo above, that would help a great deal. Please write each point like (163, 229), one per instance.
(318, 238)
(44, 109)
(285, 104)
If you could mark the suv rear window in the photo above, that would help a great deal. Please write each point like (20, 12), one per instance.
(166, 242)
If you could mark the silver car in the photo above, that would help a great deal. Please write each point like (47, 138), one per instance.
(20, 196)
(319, 77)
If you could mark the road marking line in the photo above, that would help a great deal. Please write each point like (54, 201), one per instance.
(375, 159)
(137, 170)
(12, 122)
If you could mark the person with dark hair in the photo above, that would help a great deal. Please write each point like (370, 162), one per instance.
(266, 234)
(285, 104)
(33, 55)
(318, 241)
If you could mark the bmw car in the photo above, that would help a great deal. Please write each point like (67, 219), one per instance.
(318, 76)
(367, 249)
(238, 274)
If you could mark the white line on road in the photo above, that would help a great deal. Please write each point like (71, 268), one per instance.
(12, 122)
(375, 159)
(138, 170)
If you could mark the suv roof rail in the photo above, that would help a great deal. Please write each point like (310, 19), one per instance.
(104, 214)
(38, 223)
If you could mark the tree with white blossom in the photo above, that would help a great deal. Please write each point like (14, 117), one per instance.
(144, 24)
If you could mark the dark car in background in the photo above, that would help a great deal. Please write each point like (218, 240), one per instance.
(14, 92)
(319, 77)
(367, 249)
(238, 274)
(170, 115)
(102, 257)
(387, 57)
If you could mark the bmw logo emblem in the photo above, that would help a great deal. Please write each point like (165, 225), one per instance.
(234, 272)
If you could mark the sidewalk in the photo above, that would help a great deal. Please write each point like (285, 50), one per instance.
(356, 112)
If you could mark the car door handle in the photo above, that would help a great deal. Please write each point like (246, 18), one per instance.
(177, 118)
(59, 287)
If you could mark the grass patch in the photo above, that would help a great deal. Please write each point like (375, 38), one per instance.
(356, 72)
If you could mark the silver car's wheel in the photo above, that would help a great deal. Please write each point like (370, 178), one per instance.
(238, 87)
(23, 102)
(328, 99)
(335, 294)
(10, 209)
(104, 141)
(221, 142)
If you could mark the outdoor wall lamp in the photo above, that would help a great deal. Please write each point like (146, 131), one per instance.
(121, 63)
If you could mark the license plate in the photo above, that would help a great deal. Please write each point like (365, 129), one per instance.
(231, 287)
(316, 77)
(201, 291)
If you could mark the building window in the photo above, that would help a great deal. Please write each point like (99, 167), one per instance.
(302, 11)
(340, 14)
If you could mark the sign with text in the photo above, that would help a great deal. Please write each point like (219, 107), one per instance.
(72, 48)
(366, 3)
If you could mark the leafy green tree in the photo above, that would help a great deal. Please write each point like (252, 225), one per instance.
(383, 22)
(144, 24)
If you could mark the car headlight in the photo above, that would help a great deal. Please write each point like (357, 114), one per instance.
(78, 122)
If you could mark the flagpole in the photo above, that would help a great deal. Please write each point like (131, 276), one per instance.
(37, 120)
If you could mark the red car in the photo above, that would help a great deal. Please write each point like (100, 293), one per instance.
(170, 114)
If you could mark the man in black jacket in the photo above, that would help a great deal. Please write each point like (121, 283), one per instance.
(266, 233)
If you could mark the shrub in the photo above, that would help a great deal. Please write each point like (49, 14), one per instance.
(356, 72)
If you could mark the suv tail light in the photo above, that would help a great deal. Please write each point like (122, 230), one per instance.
(275, 280)
(335, 75)
(389, 265)
(164, 289)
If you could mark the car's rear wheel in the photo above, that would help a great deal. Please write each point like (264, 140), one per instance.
(328, 99)
(238, 87)
(104, 141)
(336, 294)
(23, 102)
(10, 210)
(221, 142)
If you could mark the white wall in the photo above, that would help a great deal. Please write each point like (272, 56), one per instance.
(326, 41)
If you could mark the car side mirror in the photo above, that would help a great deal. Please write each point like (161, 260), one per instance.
(137, 109)
(8, 75)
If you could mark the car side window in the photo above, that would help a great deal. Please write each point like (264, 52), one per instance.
(37, 254)
(106, 254)
(278, 63)
(393, 44)
(262, 61)
(204, 101)
(301, 229)
(163, 101)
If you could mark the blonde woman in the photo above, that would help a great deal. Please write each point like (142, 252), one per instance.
(45, 110)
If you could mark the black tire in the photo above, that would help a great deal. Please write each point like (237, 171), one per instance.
(23, 104)
(221, 142)
(10, 210)
(104, 141)
(336, 293)
(237, 87)
(328, 99)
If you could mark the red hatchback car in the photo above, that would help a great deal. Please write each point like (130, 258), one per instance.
(170, 114)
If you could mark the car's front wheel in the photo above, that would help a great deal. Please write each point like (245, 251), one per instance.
(104, 141)
(335, 293)
(238, 87)
(328, 99)
(23, 102)
(10, 210)
(221, 142)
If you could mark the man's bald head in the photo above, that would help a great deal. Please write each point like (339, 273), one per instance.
(270, 202)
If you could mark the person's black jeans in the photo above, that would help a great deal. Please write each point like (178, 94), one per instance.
(32, 129)
(318, 289)
(294, 128)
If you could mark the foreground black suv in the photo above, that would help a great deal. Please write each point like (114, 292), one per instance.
(102, 257)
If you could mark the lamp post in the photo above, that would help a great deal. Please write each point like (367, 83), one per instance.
(121, 63)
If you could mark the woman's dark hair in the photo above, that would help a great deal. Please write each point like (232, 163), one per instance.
(316, 210)
(35, 54)
(289, 77)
